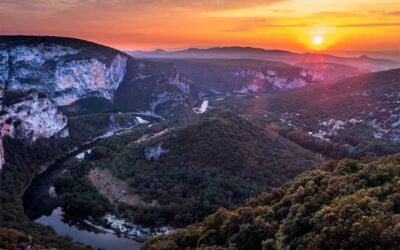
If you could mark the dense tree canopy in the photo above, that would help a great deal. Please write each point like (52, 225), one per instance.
(345, 205)
(219, 160)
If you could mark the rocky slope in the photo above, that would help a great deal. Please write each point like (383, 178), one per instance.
(65, 72)
(32, 117)
(361, 113)
(223, 77)
(42, 78)
(331, 72)
(40, 74)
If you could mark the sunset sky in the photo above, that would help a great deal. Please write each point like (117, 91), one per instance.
(298, 25)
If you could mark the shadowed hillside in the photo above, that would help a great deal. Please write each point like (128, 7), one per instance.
(346, 205)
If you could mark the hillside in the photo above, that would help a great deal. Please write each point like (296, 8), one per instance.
(361, 113)
(43, 81)
(188, 171)
(221, 77)
(331, 72)
(346, 205)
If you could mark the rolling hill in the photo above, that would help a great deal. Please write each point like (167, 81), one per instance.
(346, 205)
(191, 170)
(360, 113)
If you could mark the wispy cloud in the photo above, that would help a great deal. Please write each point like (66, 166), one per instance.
(46, 5)
(39, 4)
(385, 12)
(377, 24)
(253, 24)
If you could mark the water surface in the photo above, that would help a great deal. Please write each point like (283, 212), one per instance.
(87, 234)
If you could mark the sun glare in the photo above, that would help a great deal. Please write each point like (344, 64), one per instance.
(317, 40)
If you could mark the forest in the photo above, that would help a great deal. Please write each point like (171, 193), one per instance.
(219, 160)
(350, 204)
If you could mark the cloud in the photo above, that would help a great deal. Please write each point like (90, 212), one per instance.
(24, 5)
(386, 13)
(38, 4)
(247, 25)
(251, 24)
(244, 28)
(44, 7)
(221, 4)
(361, 25)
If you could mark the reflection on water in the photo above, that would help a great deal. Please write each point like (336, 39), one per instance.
(42, 207)
(90, 236)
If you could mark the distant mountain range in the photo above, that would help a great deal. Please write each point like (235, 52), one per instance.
(362, 62)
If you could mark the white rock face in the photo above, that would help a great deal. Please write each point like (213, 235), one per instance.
(52, 192)
(47, 69)
(62, 74)
(4, 68)
(165, 97)
(154, 152)
(28, 62)
(180, 82)
(140, 120)
(278, 82)
(82, 77)
(82, 155)
(203, 108)
(2, 159)
(32, 118)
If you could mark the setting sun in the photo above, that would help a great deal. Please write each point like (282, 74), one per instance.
(317, 40)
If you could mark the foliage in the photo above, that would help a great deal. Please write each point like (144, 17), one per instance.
(79, 197)
(225, 160)
(367, 105)
(24, 160)
(346, 205)
(11, 239)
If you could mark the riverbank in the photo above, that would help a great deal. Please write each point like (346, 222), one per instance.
(46, 210)
(129, 230)
(88, 235)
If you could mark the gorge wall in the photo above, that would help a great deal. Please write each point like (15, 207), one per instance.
(37, 78)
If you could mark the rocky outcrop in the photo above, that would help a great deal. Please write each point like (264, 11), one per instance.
(59, 71)
(181, 82)
(2, 159)
(165, 97)
(154, 152)
(272, 77)
(31, 118)
(48, 74)
(78, 78)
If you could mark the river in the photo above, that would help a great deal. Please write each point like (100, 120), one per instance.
(41, 207)
(87, 234)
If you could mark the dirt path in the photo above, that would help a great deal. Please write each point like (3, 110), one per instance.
(113, 188)
(148, 137)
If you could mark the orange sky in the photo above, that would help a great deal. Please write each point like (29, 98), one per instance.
(273, 24)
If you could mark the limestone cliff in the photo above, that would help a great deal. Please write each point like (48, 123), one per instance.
(44, 73)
